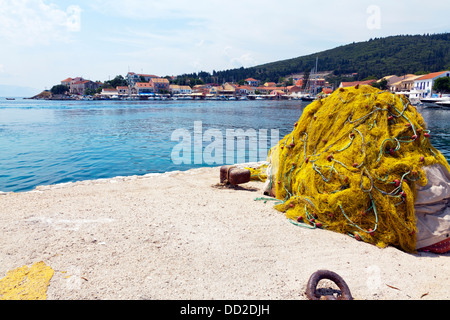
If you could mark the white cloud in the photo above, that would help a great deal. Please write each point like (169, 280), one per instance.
(29, 22)
(245, 60)
(236, 58)
(146, 9)
(256, 31)
(179, 36)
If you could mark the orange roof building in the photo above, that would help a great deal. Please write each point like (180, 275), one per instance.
(433, 75)
(424, 85)
(143, 87)
(252, 82)
(159, 84)
(67, 82)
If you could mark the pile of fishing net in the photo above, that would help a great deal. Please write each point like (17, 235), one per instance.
(353, 164)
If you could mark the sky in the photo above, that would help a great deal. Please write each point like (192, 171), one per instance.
(43, 42)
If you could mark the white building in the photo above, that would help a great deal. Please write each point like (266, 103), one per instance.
(423, 86)
(185, 90)
(175, 89)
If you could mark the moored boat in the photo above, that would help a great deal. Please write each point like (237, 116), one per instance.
(435, 101)
(445, 103)
(308, 98)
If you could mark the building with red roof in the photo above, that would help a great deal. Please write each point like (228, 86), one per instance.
(424, 85)
(143, 88)
(80, 85)
(67, 82)
(252, 82)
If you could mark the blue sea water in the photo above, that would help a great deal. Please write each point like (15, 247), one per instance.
(50, 142)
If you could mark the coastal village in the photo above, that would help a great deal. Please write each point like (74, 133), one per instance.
(151, 87)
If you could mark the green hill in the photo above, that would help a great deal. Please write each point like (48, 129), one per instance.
(377, 57)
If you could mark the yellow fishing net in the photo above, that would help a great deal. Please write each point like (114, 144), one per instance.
(351, 164)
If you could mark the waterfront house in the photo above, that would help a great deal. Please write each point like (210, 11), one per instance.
(67, 82)
(252, 82)
(294, 89)
(405, 84)
(424, 85)
(79, 87)
(174, 89)
(214, 90)
(245, 90)
(123, 90)
(74, 82)
(177, 89)
(143, 88)
(185, 90)
(160, 85)
(227, 89)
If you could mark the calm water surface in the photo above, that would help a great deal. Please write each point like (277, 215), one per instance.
(49, 142)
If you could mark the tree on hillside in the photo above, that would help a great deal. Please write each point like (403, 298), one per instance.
(59, 89)
(379, 57)
(442, 85)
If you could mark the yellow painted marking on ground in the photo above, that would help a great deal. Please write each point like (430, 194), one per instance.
(26, 283)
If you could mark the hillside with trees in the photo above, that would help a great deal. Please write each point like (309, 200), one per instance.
(375, 58)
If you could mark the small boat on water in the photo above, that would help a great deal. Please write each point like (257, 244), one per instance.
(10, 99)
(308, 98)
(429, 100)
(435, 101)
(445, 104)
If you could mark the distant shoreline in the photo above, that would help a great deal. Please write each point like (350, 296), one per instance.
(168, 97)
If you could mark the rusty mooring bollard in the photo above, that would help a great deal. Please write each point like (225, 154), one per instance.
(234, 175)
